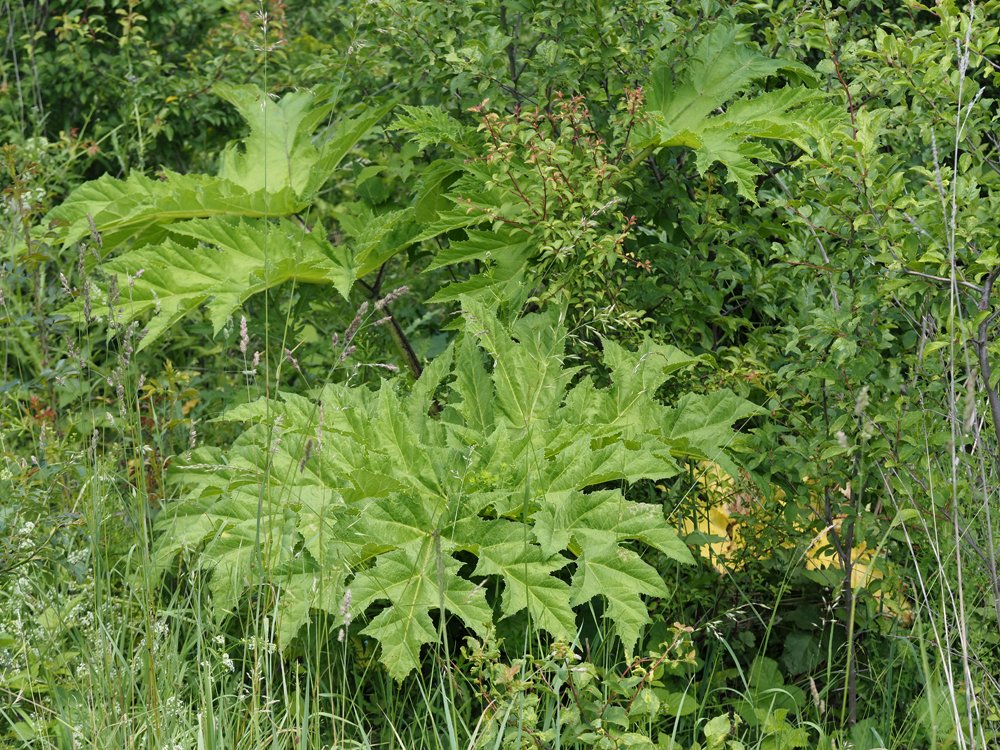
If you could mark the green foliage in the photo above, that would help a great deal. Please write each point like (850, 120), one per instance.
(721, 67)
(129, 77)
(206, 239)
(598, 707)
(532, 210)
(802, 196)
(275, 172)
(361, 491)
(522, 52)
(232, 261)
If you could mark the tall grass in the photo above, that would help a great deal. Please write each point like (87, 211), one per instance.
(952, 493)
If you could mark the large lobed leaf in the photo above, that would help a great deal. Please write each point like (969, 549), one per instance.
(721, 68)
(196, 239)
(139, 207)
(280, 152)
(366, 492)
(218, 263)
(275, 171)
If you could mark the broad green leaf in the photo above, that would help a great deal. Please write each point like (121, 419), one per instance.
(238, 538)
(346, 135)
(139, 207)
(280, 247)
(431, 198)
(416, 579)
(232, 261)
(280, 152)
(422, 398)
(636, 376)
(722, 67)
(529, 584)
(275, 171)
(699, 426)
(528, 376)
(490, 456)
(480, 245)
(304, 587)
(473, 387)
(599, 521)
(383, 236)
(400, 519)
(448, 221)
(622, 578)
(403, 448)
(501, 281)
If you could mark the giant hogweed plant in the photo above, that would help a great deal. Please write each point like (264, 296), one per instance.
(491, 487)
(534, 205)
(384, 494)
(190, 240)
(538, 203)
(711, 108)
